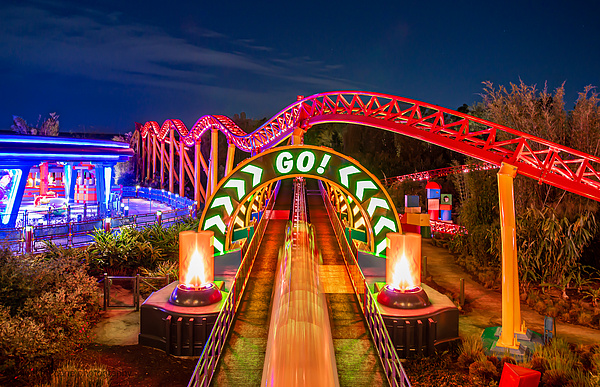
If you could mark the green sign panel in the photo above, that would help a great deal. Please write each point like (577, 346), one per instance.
(306, 161)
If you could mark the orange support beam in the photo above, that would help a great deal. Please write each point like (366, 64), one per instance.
(511, 307)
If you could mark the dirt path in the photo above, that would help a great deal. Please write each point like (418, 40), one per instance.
(487, 304)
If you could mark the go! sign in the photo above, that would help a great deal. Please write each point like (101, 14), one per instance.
(307, 161)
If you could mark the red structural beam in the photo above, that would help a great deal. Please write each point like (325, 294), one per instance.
(492, 143)
(431, 174)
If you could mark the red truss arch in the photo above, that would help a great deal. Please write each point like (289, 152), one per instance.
(534, 157)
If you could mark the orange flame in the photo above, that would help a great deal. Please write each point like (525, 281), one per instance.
(196, 273)
(402, 278)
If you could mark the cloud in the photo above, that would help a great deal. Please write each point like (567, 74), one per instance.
(105, 47)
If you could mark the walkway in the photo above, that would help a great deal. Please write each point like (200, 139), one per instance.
(487, 303)
(356, 359)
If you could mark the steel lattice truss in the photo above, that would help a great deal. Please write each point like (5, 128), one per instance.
(431, 174)
(534, 157)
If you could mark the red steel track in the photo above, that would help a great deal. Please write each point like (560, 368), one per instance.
(534, 157)
(431, 174)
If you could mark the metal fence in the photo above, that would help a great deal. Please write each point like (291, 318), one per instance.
(385, 348)
(70, 233)
(136, 281)
(207, 363)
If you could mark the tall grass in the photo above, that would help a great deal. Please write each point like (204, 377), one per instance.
(79, 375)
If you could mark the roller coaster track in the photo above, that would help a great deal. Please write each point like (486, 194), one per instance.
(534, 157)
(433, 173)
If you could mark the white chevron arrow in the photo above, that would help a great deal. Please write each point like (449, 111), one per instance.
(218, 245)
(380, 247)
(215, 221)
(256, 173)
(224, 201)
(345, 172)
(384, 222)
(238, 184)
(374, 203)
(361, 186)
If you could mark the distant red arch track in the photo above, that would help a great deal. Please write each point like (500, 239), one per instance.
(535, 157)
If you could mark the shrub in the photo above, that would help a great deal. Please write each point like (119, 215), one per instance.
(49, 303)
(555, 378)
(162, 270)
(483, 371)
(584, 318)
(79, 375)
(538, 363)
(470, 350)
(563, 366)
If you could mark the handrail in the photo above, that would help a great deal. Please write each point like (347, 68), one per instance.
(206, 366)
(65, 233)
(385, 348)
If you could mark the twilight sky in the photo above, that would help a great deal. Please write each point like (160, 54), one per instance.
(109, 63)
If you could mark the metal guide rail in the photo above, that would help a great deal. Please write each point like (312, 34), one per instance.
(213, 348)
(385, 348)
(34, 239)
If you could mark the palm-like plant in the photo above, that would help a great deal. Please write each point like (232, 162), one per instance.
(550, 247)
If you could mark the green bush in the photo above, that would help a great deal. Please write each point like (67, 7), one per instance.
(48, 304)
(126, 250)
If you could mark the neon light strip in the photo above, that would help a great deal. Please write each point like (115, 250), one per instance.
(13, 193)
(46, 140)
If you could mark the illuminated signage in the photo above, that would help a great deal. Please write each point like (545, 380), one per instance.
(363, 188)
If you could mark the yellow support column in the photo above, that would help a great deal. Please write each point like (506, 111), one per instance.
(230, 157)
(298, 136)
(511, 307)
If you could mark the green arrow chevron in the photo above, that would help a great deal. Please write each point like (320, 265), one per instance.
(256, 173)
(224, 201)
(361, 186)
(384, 222)
(380, 247)
(238, 184)
(344, 172)
(215, 221)
(374, 203)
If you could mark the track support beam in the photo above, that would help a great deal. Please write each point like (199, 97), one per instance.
(511, 307)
